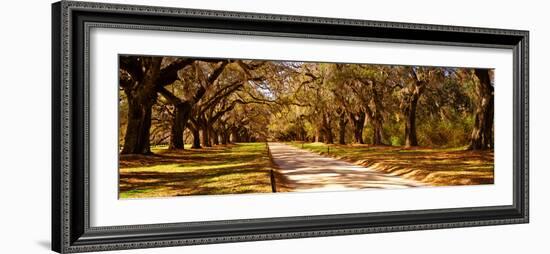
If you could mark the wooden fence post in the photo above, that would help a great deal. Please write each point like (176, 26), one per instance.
(271, 172)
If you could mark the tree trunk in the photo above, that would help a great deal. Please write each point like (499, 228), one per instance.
(358, 126)
(329, 138)
(375, 120)
(234, 135)
(376, 113)
(342, 131)
(318, 135)
(181, 116)
(409, 104)
(482, 133)
(214, 137)
(245, 136)
(196, 138)
(225, 137)
(378, 137)
(303, 134)
(141, 98)
(410, 122)
(205, 137)
(327, 129)
(137, 140)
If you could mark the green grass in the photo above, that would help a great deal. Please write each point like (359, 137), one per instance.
(131, 193)
(448, 166)
(239, 168)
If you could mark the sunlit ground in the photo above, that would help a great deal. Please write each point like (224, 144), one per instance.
(245, 168)
(439, 167)
(305, 171)
(231, 169)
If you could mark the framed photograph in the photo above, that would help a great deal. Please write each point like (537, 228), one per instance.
(181, 126)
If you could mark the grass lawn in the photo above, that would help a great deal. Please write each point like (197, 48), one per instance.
(231, 169)
(440, 167)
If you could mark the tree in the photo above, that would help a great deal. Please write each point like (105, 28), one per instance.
(218, 99)
(140, 77)
(225, 100)
(482, 133)
(413, 82)
(343, 102)
(358, 122)
(369, 91)
(138, 82)
(410, 95)
(183, 107)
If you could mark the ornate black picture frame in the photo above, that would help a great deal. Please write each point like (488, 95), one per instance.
(71, 230)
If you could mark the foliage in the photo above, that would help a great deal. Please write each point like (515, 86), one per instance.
(240, 100)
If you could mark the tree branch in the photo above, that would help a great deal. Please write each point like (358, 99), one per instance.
(217, 72)
(169, 74)
(132, 65)
(229, 90)
(174, 100)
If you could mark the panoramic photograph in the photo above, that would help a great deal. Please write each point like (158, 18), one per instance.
(210, 126)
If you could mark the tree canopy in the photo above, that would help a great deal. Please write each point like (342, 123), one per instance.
(206, 102)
